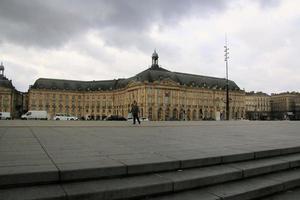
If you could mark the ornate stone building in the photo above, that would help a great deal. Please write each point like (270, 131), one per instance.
(285, 106)
(257, 106)
(160, 93)
(10, 98)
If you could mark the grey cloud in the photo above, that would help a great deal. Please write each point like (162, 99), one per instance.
(47, 24)
(138, 14)
(37, 23)
(128, 22)
(125, 24)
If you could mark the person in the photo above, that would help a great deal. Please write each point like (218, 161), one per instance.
(135, 112)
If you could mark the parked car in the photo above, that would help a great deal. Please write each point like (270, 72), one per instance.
(62, 116)
(5, 115)
(115, 118)
(35, 114)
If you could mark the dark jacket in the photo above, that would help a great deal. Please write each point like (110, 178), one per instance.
(135, 110)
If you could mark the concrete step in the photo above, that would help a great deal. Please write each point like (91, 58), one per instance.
(292, 194)
(128, 165)
(251, 188)
(139, 186)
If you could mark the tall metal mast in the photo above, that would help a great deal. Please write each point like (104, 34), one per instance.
(227, 82)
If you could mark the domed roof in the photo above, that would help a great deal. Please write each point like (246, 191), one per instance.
(150, 75)
(4, 82)
(158, 74)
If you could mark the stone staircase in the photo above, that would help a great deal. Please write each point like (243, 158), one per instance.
(240, 175)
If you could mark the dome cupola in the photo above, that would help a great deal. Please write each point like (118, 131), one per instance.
(1, 69)
(154, 60)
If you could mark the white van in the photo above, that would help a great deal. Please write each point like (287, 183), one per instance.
(5, 115)
(35, 114)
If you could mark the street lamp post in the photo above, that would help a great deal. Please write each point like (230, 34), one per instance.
(227, 82)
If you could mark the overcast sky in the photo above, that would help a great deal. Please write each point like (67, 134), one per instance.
(108, 39)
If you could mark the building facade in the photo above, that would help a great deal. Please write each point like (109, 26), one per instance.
(160, 94)
(10, 98)
(257, 106)
(285, 106)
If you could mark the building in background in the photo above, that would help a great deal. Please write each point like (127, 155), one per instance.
(257, 106)
(285, 106)
(25, 100)
(160, 93)
(297, 108)
(10, 98)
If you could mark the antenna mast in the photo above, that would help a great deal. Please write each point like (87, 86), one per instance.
(227, 82)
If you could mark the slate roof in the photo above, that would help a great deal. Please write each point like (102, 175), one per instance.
(4, 82)
(151, 74)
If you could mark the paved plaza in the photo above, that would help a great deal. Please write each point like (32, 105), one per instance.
(71, 144)
(35, 151)
(66, 145)
(55, 142)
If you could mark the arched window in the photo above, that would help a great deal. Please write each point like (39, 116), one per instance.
(200, 114)
(211, 114)
(150, 113)
(175, 114)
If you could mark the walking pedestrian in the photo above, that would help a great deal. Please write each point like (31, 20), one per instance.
(135, 112)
